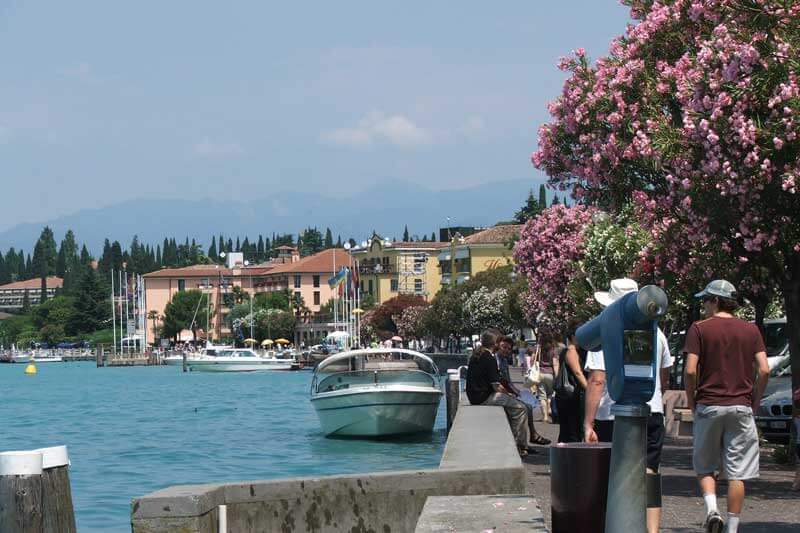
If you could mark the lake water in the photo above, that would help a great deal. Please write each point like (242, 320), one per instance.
(134, 430)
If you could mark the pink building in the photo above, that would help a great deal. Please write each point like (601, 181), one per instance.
(307, 277)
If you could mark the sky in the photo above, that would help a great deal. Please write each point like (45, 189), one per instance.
(103, 101)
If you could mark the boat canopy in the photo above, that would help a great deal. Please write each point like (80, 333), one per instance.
(377, 359)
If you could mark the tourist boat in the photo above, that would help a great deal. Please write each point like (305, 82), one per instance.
(376, 392)
(238, 360)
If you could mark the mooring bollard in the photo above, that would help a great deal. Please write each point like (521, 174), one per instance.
(99, 356)
(21, 492)
(184, 362)
(57, 508)
(453, 394)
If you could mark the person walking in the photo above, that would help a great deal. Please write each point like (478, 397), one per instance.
(723, 354)
(570, 386)
(484, 388)
(548, 366)
(598, 422)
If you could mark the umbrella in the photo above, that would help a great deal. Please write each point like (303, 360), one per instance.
(250, 341)
(266, 342)
(397, 338)
(283, 341)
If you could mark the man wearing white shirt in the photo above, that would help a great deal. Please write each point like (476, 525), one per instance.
(598, 422)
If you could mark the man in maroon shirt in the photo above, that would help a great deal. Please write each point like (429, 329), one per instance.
(723, 353)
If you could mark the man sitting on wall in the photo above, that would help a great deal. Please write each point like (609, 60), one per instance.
(484, 388)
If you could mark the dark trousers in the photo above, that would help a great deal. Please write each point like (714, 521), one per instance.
(569, 419)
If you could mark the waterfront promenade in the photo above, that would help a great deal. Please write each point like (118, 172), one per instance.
(770, 507)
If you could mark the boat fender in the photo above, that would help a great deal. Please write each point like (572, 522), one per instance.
(30, 369)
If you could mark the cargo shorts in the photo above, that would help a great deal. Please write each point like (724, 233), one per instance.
(725, 441)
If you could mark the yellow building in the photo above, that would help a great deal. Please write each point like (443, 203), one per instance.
(390, 268)
(478, 252)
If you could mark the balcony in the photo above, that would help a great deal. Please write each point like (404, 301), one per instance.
(377, 268)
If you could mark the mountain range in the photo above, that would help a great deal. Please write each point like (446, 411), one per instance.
(386, 209)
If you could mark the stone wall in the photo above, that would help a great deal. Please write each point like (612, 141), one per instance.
(479, 458)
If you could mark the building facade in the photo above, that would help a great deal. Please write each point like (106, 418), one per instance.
(389, 268)
(12, 295)
(485, 250)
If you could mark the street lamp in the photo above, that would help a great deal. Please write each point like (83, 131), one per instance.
(453, 239)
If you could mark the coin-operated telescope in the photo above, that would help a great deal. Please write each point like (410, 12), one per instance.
(627, 333)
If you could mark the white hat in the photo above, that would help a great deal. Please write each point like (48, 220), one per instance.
(619, 288)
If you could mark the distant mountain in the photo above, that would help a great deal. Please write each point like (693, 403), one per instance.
(385, 209)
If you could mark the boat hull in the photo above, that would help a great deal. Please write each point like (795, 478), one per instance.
(28, 358)
(237, 366)
(378, 412)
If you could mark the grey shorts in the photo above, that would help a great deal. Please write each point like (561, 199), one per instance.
(725, 441)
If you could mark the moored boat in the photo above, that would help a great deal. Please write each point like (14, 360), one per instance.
(238, 360)
(376, 393)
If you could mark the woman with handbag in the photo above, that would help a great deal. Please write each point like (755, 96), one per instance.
(570, 384)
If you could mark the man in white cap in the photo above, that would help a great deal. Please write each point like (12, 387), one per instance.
(723, 354)
(598, 422)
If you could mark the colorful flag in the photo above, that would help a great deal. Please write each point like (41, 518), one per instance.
(338, 279)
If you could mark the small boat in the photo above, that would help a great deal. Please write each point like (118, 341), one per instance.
(33, 357)
(238, 360)
(209, 349)
(376, 392)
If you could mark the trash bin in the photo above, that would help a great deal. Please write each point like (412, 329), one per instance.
(579, 486)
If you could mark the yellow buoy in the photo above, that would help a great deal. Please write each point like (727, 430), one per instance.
(30, 369)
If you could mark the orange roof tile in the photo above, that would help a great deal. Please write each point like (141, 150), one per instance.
(52, 282)
(321, 262)
(199, 271)
(500, 234)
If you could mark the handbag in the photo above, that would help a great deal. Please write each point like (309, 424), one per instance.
(534, 375)
(564, 385)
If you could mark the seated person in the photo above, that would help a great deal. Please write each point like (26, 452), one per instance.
(484, 388)
(504, 352)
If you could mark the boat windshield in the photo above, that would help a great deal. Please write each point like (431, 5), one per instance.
(365, 368)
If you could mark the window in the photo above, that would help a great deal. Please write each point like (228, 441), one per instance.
(316, 297)
(316, 281)
(181, 284)
(298, 297)
(369, 286)
(393, 285)
(297, 279)
(418, 285)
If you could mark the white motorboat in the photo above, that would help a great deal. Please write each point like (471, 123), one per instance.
(376, 392)
(33, 357)
(209, 349)
(238, 360)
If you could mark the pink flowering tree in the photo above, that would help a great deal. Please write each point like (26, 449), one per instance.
(548, 253)
(694, 115)
(409, 322)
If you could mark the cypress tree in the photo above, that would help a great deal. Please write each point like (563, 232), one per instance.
(229, 247)
(26, 302)
(542, 196)
(23, 266)
(338, 241)
(86, 258)
(159, 262)
(43, 290)
(29, 271)
(433, 237)
(238, 246)
(90, 308)
(328, 239)
(405, 234)
(212, 250)
(3, 270)
(260, 249)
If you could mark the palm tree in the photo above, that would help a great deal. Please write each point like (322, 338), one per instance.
(153, 315)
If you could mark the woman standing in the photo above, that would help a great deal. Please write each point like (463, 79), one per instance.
(569, 388)
(548, 366)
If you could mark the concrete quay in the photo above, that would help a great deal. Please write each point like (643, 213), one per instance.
(480, 458)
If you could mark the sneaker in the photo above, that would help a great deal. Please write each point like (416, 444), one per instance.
(714, 523)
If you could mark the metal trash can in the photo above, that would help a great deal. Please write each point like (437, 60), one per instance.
(579, 486)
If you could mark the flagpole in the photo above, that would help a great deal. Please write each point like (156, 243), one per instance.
(113, 311)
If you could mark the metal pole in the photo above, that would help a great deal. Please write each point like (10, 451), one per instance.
(113, 311)
(453, 395)
(127, 310)
(627, 487)
(252, 296)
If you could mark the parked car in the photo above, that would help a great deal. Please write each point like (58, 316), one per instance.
(774, 416)
(776, 341)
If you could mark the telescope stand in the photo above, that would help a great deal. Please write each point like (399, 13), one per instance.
(627, 488)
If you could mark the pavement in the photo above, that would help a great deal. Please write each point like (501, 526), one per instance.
(770, 505)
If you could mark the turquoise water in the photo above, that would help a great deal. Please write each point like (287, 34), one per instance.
(134, 430)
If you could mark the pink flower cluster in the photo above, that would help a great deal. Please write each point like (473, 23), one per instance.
(547, 253)
(694, 115)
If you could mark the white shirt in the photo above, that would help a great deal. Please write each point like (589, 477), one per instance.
(595, 361)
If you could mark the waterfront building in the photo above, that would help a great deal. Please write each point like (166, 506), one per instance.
(12, 295)
(389, 268)
(484, 250)
(306, 277)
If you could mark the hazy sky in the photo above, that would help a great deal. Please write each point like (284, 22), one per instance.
(103, 100)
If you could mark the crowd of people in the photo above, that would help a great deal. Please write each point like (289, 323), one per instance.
(726, 372)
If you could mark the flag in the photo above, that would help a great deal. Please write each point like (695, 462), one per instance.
(338, 279)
